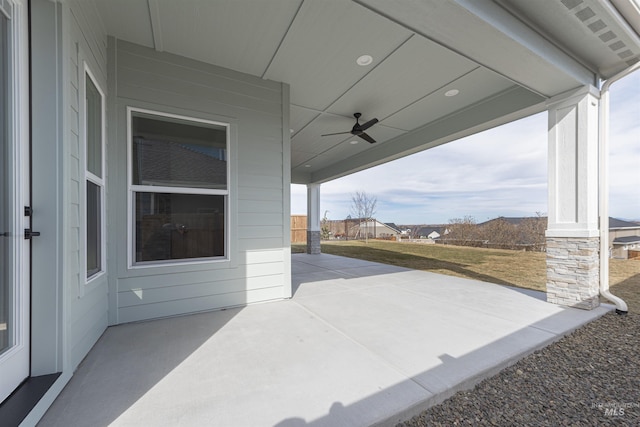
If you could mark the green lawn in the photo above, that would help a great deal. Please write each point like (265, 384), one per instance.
(514, 268)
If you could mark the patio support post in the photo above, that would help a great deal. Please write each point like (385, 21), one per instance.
(572, 231)
(313, 218)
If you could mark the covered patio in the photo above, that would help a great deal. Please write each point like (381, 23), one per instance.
(150, 150)
(359, 344)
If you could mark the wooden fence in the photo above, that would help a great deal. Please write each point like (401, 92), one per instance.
(298, 229)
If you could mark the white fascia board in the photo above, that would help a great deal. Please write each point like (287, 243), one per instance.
(629, 11)
(486, 33)
(300, 177)
(515, 29)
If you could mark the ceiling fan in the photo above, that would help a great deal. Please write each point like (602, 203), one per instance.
(359, 129)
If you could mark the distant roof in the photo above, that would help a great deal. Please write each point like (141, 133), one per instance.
(613, 222)
(393, 226)
(513, 220)
(618, 223)
(427, 230)
(626, 240)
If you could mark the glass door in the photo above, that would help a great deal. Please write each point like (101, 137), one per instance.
(14, 248)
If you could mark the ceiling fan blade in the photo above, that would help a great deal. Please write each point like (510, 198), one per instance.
(368, 124)
(367, 138)
(338, 133)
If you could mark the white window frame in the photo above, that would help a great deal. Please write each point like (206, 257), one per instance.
(133, 189)
(88, 176)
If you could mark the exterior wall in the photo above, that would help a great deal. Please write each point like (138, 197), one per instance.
(623, 232)
(622, 251)
(619, 252)
(67, 316)
(258, 268)
(87, 303)
(376, 229)
(47, 154)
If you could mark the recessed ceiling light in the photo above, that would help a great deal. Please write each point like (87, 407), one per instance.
(353, 142)
(364, 60)
(307, 166)
(290, 130)
(452, 92)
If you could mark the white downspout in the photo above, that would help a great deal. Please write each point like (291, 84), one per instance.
(603, 179)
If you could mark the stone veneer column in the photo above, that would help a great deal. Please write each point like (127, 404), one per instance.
(573, 269)
(572, 232)
(313, 218)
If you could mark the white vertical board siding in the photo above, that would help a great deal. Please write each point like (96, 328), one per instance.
(254, 108)
(86, 304)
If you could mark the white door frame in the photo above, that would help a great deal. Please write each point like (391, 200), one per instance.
(14, 363)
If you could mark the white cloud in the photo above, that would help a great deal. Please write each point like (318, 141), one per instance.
(624, 148)
(502, 171)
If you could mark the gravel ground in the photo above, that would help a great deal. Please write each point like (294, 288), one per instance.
(588, 378)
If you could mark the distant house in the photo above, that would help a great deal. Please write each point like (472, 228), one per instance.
(358, 228)
(433, 232)
(624, 239)
(374, 229)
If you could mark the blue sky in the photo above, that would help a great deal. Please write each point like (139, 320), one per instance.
(499, 172)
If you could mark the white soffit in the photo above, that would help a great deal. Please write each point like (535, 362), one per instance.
(133, 26)
(592, 30)
(345, 150)
(241, 34)
(416, 69)
(299, 117)
(473, 87)
(337, 147)
(312, 45)
(317, 56)
(484, 32)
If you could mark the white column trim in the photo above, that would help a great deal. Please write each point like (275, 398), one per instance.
(313, 207)
(573, 164)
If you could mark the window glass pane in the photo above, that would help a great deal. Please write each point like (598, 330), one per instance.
(94, 236)
(6, 282)
(178, 153)
(94, 128)
(179, 226)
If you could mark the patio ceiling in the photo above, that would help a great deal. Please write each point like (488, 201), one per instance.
(505, 58)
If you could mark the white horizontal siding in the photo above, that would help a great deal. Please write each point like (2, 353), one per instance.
(194, 305)
(243, 272)
(94, 310)
(195, 290)
(86, 305)
(256, 268)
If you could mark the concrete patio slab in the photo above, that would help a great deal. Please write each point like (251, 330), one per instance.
(359, 344)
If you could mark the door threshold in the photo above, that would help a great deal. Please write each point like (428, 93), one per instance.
(18, 405)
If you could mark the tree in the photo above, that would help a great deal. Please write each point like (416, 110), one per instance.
(533, 231)
(363, 206)
(500, 233)
(325, 230)
(462, 231)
